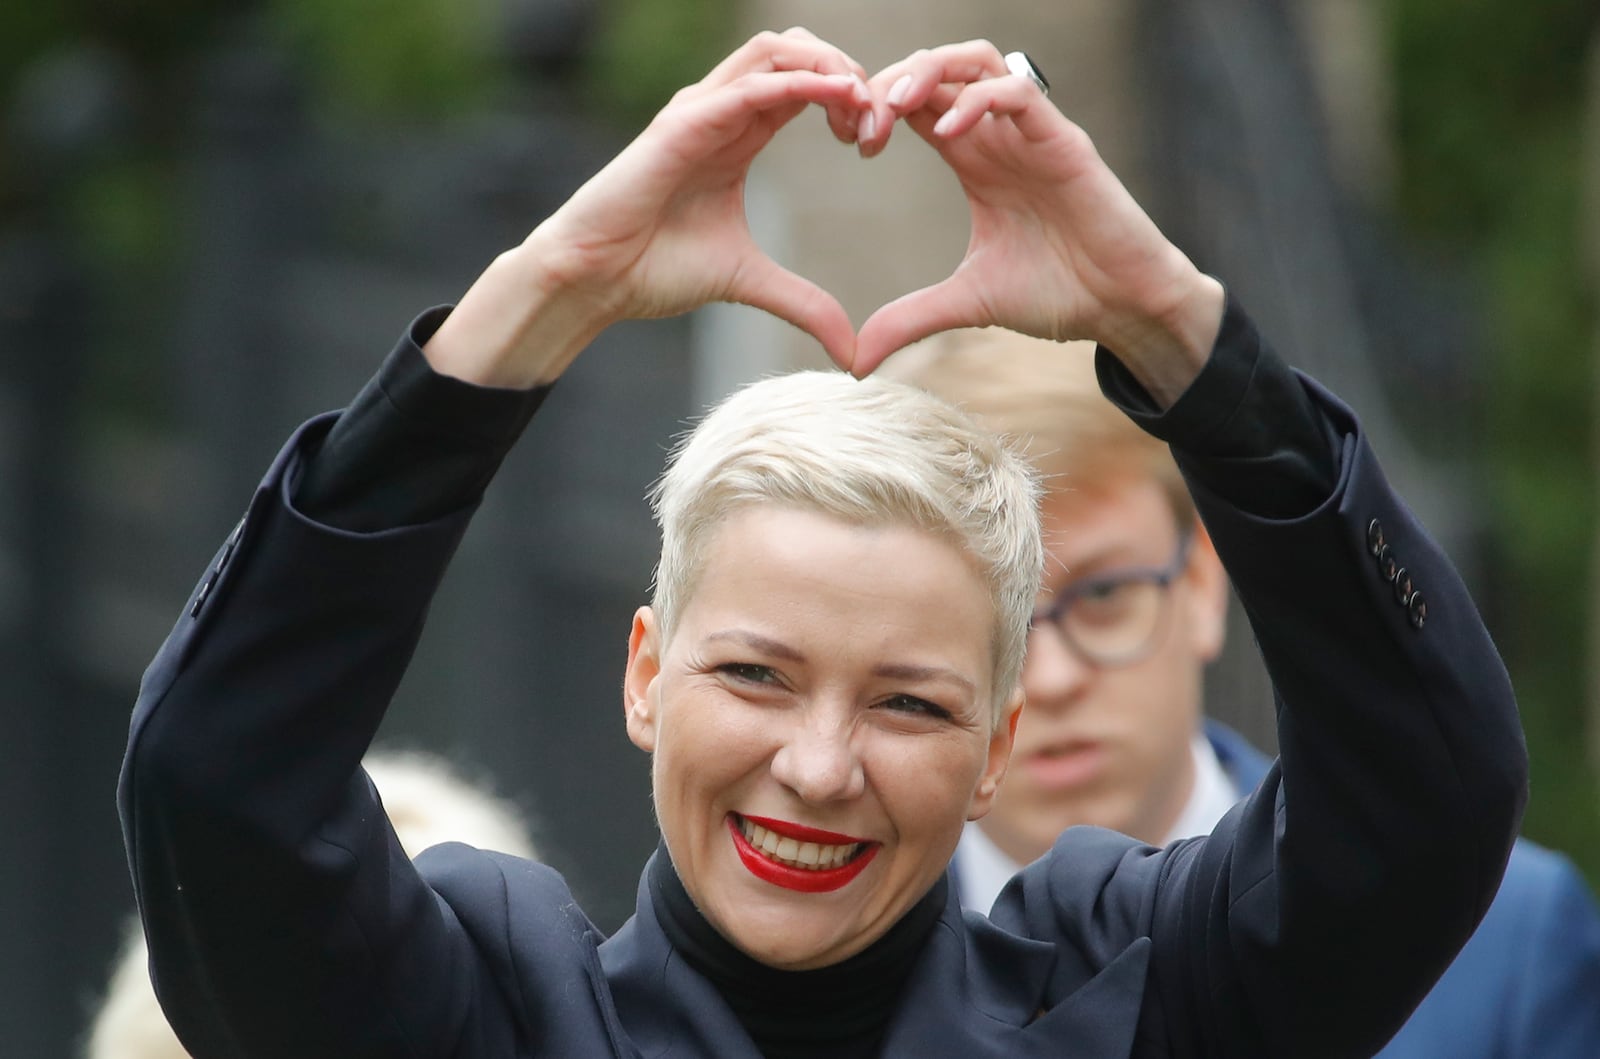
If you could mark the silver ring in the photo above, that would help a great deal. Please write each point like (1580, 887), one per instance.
(1022, 66)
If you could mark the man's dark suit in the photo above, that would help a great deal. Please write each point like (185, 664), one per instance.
(285, 920)
(1528, 981)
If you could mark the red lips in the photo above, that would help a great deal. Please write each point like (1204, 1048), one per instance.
(803, 880)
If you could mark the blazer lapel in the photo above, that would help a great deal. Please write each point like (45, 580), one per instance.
(980, 992)
(665, 1006)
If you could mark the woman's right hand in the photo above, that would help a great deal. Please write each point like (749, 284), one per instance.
(661, 229)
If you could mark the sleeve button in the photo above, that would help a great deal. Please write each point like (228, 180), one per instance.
(1374, 537)
(1388, 565)
(203, 595)
(1417, 609)
(1402, 587)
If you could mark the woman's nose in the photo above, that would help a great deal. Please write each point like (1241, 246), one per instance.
(819, 763)
(1054, 676)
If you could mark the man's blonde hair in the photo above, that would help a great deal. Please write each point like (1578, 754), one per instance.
(869, 452)
(1044, 396)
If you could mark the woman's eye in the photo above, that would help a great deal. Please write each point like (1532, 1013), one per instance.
(912, 704)
(748, 672)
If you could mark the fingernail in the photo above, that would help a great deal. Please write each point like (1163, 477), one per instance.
(945, 123)
(897, 94)
(863, 94)
(868, 126)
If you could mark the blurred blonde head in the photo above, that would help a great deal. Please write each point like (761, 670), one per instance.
(427, 802)
(1045, 397)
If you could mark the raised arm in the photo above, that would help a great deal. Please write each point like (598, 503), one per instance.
(283, 917)
(1321, 910)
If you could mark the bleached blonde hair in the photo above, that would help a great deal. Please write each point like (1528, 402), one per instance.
(427, 801)
(870, 452)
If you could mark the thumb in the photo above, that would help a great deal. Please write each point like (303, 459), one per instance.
(766, 285)
(944, 306)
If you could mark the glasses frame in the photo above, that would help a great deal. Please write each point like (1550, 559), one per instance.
(1055, 613)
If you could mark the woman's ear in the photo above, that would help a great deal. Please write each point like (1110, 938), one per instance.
(639, 680)
(1001, 741)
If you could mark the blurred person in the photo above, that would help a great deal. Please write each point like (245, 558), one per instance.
(1113, 732)
(426, 800)
(826, 677)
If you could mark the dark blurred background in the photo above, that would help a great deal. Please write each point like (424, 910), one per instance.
(216, 217)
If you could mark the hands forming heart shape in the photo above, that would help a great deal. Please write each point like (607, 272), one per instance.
(1059, 249)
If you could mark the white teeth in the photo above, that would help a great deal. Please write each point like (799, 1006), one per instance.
(796, 854)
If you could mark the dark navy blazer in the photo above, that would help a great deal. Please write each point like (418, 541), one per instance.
(285, 920)
(1528, 981)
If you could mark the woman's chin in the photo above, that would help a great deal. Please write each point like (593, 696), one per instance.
(790, 939)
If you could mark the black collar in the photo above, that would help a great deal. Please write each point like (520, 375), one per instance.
(840, 1010)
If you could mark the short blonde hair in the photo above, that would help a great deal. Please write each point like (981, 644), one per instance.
(1045, 396)
(427, 801)
(870, 452)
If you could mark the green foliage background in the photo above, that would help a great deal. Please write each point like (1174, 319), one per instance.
(1491, 115)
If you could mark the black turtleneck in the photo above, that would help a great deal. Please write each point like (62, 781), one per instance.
(839, 1012)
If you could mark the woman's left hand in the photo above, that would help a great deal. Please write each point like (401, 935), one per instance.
(1059, 248)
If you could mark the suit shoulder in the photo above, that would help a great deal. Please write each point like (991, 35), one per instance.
(501, 896)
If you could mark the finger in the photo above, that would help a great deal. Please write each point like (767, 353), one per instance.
(852, 66)
(768, 286)
(1011, 96)
(944, 306)
(795, 49)
(906, 86)
(727, 112)
(809, 52)
(843, 122)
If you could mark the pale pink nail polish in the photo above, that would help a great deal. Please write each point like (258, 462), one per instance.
(897, 94)
(945, 123)
(868, 126)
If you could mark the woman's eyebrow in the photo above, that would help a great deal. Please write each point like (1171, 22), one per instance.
(764, 644)
(922, 674)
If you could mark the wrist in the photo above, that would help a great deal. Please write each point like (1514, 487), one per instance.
(1165, 345)
(519, 325)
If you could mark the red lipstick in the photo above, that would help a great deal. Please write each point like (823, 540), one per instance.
(803, 880)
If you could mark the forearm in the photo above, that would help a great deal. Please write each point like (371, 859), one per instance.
(267, 874)
(414, 445)
(256, 846)
(1402, 772)
(1402, 768)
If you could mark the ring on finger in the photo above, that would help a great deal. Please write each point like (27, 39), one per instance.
(1021, 66)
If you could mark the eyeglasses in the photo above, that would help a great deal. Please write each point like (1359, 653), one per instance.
(1115, 618)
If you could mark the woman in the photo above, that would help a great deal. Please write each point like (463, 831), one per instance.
(826, 676)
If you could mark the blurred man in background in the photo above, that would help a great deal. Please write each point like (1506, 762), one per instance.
(1113, 733)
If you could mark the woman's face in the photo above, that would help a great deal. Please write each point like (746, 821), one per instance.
(820, 728)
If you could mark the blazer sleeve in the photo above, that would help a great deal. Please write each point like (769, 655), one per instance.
(283, 916)
(1324, 906)
(1338, 893)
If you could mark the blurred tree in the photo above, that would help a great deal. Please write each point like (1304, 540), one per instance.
(649, 49)
(1490, 100)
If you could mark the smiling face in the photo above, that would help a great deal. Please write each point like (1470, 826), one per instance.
(820, 725)
(1109, 746)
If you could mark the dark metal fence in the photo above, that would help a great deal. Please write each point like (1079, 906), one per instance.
(306, 247)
